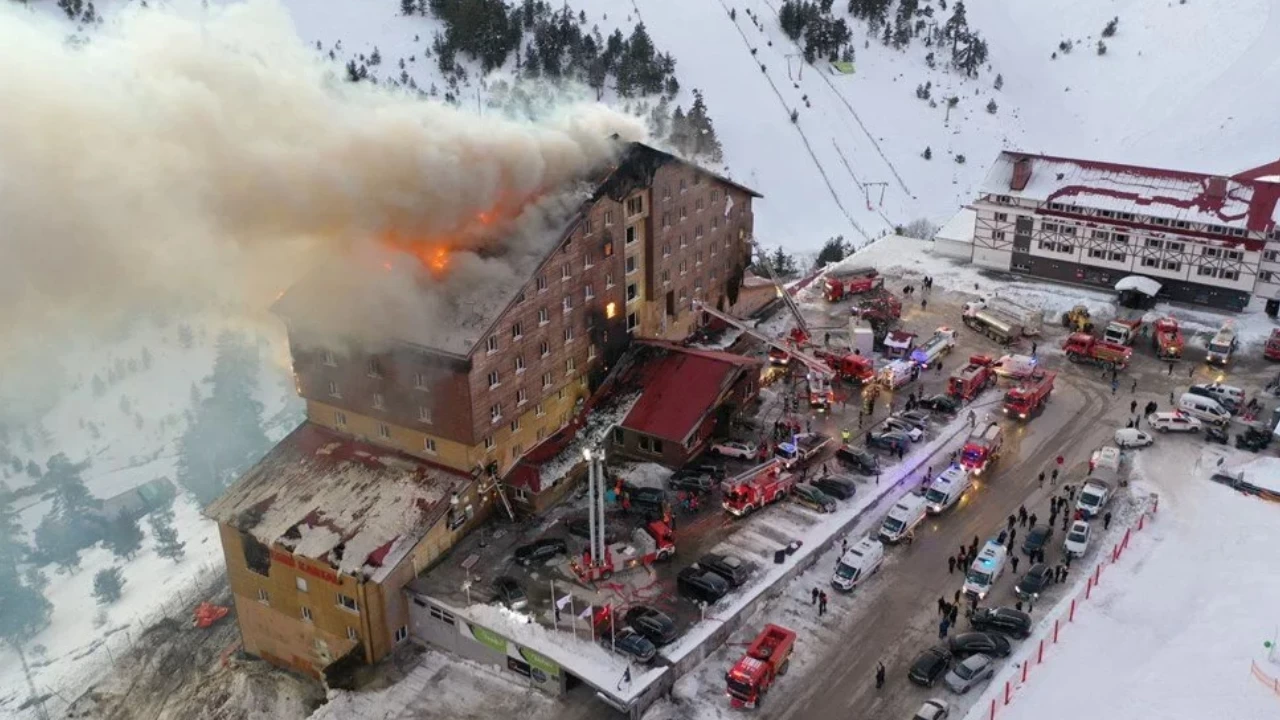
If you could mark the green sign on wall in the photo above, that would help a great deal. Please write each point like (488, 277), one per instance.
(488, 637)
(540, 662)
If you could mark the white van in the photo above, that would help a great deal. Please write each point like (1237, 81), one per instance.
(857, 564)
(1094, 495)
(903, 518)
(985, 570)
(1228, 396)
(898, 373)
(1207, 409)
(947, 488)
(1221, 347)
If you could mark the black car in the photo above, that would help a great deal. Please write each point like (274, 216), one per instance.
(653, 624)
(840, 488)
(940, 403)
(706, 468)
(890, 440)
(859, 459)
(1213, 433)
(508, 592)
(1003, 620)
(630, 642)
(698, 583)
(541, 550)
(929, 666)
(1034, 582)
(1253, 439)
(732, 568)
(580, 526)
(647, 501)
(1037, 539)
(975, 643)
(691, 481)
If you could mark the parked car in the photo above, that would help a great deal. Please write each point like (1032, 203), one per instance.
(691, 481)
(630, 642)
(1006, 621)
(1094, 496)
(889, 440)
(540, 551)
(732, 568)
(897, 424)
(860, 459)
(972, 643)
(1253, 439)
(929, 666)
(941, 403)
(1173, 421)
(1034, 582)
(1077, 540)
(933, 710)
(969, 673)
(655, 625)
(699, 583)
(508, 592)
(1132, 438)
(838, 487)
(919, 418)
(735, 449)
(1037, 539)
(1215, 434)
(812, 497)
(580, 526)
(716, 471)
(647, 501)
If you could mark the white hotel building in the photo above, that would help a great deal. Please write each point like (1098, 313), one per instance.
(1208, 240)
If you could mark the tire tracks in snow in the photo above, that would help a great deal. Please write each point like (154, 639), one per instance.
(812, 155)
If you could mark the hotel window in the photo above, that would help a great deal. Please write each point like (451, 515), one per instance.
(1150, 262)
(333, 389)
(1271, 256)
(698, 258)
(697, 179)
(684, 212)
(1233, 254)
(608, 280)
(698, 205)
(566, 303)
(1153, 243)
(516, 451)
(488, 442)
(546, 380)
(300, 583)
(697, 232)
(402, 633)
(635, 206)
(1120, 238)
(429, 445)
(1099, 254)
(517, 331)
(495, 413)
(329, 359)
(684, 241)
(352, 635)
(715, 195)
(1001, 217)
(1175, 246)
(683, 185)
(997, 235)
(306, 614)
(632, 234)
(608, 249)
(424, 414)
(666, 277)
(375, 368)
(568, 335)
(684, 266)
(1049, 227)
(541, 283)
(544, 348)
(1068, 230)
(1117, 257)
(263, 597)
(591, 352)
(491, 345)
(588, 292)
(379, 402)
(384, 431)
(1229, 275)
(1159, 221)
(632, 322)
(666, 250)
(631, 264)
(519, 363)
(569, 366)
(347, 603)
(522, 396)
(715, 222)
(1099, 234)
(539, 411)
(608, 218)
(564, 272)
(588, 261)
(1212, 272)
(666, 192)
(586, 226)
(1265, 276)
(515, 425)
(544, 317)
(633, 292)
(339, 418)
(1170, 265)
(494, 379)
(666, 219)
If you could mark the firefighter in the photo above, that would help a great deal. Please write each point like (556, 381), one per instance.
(845, 436)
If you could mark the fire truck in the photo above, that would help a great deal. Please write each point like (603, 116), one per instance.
(942, 342)
(1167, 340)
(653, 543)
(819, 372)
(1030, 397)
(1272, 349)
(760, 486)
(767, 659)
(969, 381)
(854, 368)
(983, 447)
(1087, 349)
(821, 396)
(842, 284)
(878, 306)
(1122, 332)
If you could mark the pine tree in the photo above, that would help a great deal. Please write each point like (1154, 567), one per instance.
(927, 154)
(679, 138)
(33, 469)
(71, 499)
(123, 536)
(999, 83)
(1110, 29)
(166, 537)
(408, 7)
(108, 585)
(703, 133)
(1102, 48)
(991, 107)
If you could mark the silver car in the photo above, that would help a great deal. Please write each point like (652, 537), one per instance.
(964, 676)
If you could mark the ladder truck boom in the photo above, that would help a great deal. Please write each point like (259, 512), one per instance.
(782, 292)
(815, 365)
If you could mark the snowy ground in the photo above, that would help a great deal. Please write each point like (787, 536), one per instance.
(1175, 625)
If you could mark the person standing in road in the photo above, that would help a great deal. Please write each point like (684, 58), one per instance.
(1034, 346)
(1022, 516)
(955, 613)
(951, 560)
(957, 598)
(973, 547)
(943, 627)
(1133, 388)
(1115, 385)
(1055, 478)
(1106, 521)
(1133, 406)
(1013, 561)
(1032, 520)
(879, 675)
(815, 596)
(1041, 478)
(1170, 368)
(1191, 371)
(1011, 521)
(1013, 535)
(822, 604)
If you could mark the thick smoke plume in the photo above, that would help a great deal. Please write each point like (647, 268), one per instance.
(209, 154)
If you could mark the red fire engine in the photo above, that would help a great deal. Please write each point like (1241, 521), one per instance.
(1272, 349)
(983, 447)
(1085, 348)
(654, 542)
(757, 487)
(854, 281)
(767, 659)
(969, 381)
(1030, 397)
(1167, 339)
(855, 368)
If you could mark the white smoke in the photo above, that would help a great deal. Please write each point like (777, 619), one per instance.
(188, 153)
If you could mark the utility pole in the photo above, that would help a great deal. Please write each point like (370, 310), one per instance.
(799, 72)
(866, 188)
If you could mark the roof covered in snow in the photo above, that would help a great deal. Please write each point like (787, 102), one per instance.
(357, 507)
(680, 387)
(1239, 202)
(1144, 285)
(959, 228)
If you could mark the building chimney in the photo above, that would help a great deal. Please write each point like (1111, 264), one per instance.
(1217, 189)
(1021, 173)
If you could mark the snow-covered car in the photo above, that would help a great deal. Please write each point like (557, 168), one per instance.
(1173, 421)
(941, 403)
(919, 418)
(630, 642)
(897, 424)
(969, 673)
(812, 497)
(1077, 540)
(933, 710)
(1132, 438)
(735, 449)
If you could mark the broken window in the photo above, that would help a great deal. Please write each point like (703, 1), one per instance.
(257, 556)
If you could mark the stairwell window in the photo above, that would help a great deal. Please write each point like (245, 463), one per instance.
(698, 205)
(429, 445)
(352, 635)
(544, 348)
(608, 218)
(333, 390)
(632, 234)
(424, 414)
(586, 226)
(420, 381)
(339, 418)
(635, 206)
(402, 633)
(570, 365)
(306, 614)
(263, 597)
(633, 292)
(684, 212)
(384, 431)
(697, 232)
(631, 264)
(488, 442)
(566, 303)
(346, 602)
(588, 260)
(539, 411)
(666, 220)
(666, 250)
(515, 425)
(591, 352)
(564, 272)
(633, 322)
(608, 281)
